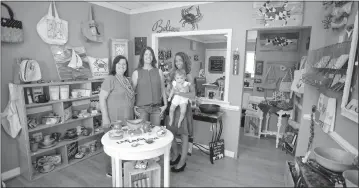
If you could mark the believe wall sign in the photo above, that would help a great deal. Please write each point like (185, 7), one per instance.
(159, 28)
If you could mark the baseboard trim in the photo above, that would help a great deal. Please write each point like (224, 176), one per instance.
(10, 174)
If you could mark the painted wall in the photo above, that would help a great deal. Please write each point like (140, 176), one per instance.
(343, 126)
(179, 44)
(116, 26)
(220, 45)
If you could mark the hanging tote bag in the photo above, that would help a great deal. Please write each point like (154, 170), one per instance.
(91, 29)
(298, 84)
(286, 81)
(30, 71)
(270, 79)
(52, 30)
(11, 29)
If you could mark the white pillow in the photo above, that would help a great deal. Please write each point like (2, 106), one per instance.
(99, 67)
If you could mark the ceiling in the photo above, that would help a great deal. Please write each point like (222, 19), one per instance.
(136, 7)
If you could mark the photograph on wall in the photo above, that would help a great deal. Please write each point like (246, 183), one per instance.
(277, 13)
(257, 80)
(259, 68)
(140, 42)
(286, 41)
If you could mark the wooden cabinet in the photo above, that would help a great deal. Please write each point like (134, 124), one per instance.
(63, 108)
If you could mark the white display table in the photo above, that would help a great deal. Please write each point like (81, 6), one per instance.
(120, 150)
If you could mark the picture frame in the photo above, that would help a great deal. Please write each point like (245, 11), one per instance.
(140, 43)
(259, 68)
(216, 64)
(118, 47)
(257, 80)
(195, 57)
(260, 89)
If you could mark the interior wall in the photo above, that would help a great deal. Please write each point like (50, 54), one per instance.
(116, 25)
(218, 45)
(179, 44)
(346, 128)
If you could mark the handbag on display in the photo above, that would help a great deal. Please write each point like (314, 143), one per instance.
(52, 29)
(286, 83)
(270, 79)
(11, 29)
(30, 71)
(91, 29)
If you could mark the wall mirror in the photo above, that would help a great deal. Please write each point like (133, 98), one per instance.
(209, 52)
(349, 106)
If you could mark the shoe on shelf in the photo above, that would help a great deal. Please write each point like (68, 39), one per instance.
(176, 161)
(109, 175)
(173, 169)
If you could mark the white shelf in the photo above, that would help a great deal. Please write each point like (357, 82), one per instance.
(58, 101)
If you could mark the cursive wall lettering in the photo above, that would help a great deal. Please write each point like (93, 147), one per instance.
(168, 28)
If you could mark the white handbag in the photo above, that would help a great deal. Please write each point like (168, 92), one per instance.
(52, 30)
(30, 71)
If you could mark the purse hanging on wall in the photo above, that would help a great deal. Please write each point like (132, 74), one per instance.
(270, 79)
(52, 29)
(11, 29)
(91, 29)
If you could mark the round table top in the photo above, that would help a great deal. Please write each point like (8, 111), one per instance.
(121, 145)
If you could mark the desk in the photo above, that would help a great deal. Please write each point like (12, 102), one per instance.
(119, 150)
(214, 119)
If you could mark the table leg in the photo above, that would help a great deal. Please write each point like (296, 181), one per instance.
(119, 173)
(279, 125)
(166, 169)
(267, 122)
(113, 162)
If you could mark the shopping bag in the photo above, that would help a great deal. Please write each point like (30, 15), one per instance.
(52, 29)
(286, 81)
(270, 79)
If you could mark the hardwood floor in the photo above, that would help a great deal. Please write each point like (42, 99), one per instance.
(260, 164)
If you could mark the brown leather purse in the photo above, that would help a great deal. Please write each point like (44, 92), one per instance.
(91, 29)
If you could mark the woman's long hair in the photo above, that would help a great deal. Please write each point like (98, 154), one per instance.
(142, 54)
(115, 61)
(186, 62)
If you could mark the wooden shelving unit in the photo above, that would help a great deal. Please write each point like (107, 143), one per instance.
(26, 156)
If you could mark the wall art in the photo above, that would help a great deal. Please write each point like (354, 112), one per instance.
(195, 57)
(286, 41)
(260, 89)
(257, 80)
(191, 18)
(236, 62)
(336, 14)
(118, 47)
(140, 43)
(159, 28)
(259, 68)
(216, 64)
(278, 13)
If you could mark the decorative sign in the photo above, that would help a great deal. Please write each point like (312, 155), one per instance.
(287, 41)
(118, 47)
(190, 18)
(216, 150)
(278, 13)
(216, 64)
(168, 28)
(140, 43)
(72, 150)
(236, 62)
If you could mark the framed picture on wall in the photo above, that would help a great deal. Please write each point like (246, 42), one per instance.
(118, 47)
(140, 43)
(216, 64)
(259, 68)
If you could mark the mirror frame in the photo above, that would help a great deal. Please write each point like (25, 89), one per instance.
(227, 32)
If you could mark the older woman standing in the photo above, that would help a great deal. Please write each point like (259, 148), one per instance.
(182, 62)
(116, 98)
(148, 82)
